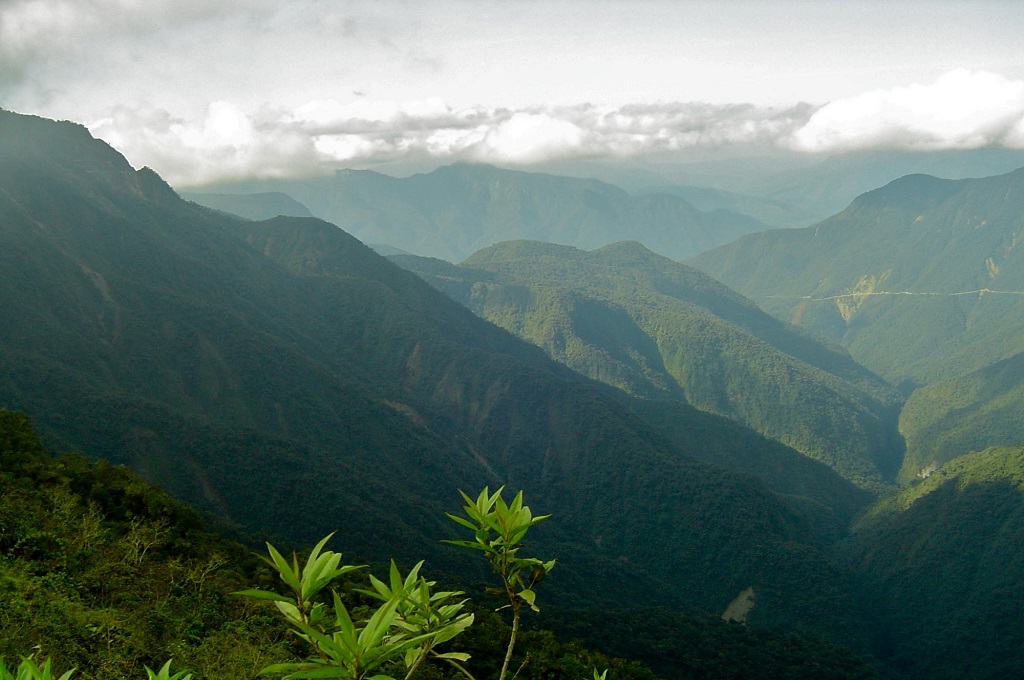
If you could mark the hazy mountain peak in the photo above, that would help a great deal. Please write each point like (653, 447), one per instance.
(912, 191)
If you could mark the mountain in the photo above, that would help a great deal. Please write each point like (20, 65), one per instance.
(663, 330)
(286, 377)
(971, 412)
(920, 279)
(105, 573)
(458, 209)
(770, 212)
(939, 565)
(826, 187)
(251, 206)
(814, 184)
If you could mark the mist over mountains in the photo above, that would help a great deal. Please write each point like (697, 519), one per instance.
(455, 210)
(282, 376)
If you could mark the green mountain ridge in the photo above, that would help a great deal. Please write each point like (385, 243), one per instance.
(283, 375)
(662, 330)
(458, 209)
(920, 279)
(965, 413)
(940, 565)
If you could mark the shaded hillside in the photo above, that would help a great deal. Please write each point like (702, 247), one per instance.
(966, 413)
(105, 573)
(940, 566)
(662, 330)
(252, 206)
(458, 209)
(921, 279)
(285, 376)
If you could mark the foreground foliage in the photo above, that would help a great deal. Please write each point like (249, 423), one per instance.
(106, 574)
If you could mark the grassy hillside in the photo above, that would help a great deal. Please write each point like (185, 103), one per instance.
(662, 330)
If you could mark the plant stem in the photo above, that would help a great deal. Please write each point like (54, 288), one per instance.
(511, 642)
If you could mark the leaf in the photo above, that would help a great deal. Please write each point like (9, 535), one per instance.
(264, 595)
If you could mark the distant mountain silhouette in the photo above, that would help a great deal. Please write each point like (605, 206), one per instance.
(455, 210)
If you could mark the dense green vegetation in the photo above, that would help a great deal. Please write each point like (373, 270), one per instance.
(107, 574)
(966, 413)
(662, 330)
(290, 382)
(940, 564)
(898, 259)
(458, 209)
(235, 363)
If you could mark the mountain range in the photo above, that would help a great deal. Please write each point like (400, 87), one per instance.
(286, 377)
(455, 210)
(920, 279)
(662, 330)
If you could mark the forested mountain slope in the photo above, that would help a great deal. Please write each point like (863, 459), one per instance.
(286, 377)
(662, 330)
(921, 279)
(458, 209)
(104, 573)
(965, 413)
(940, 566)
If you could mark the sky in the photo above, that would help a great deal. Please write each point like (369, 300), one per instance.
(204, 90)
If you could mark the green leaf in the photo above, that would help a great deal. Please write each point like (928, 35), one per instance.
(263, 595)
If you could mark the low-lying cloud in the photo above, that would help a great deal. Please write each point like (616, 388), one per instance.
(960, 110)
(323, 135)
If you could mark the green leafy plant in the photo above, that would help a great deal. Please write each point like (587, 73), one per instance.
(498, 532)
(28, 669)
(165, 673)
(432, 616)
(406, 627)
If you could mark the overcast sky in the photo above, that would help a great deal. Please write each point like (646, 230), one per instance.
(204, 89)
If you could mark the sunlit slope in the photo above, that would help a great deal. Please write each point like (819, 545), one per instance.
(662, 330)
(288, 378)
(921, 279)
(940, 566)
(965, 413)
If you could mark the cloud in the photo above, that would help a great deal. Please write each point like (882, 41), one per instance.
(322, 135)
(960, 110)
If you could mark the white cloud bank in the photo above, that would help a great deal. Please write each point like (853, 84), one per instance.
(228, 143)
(960, 110)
